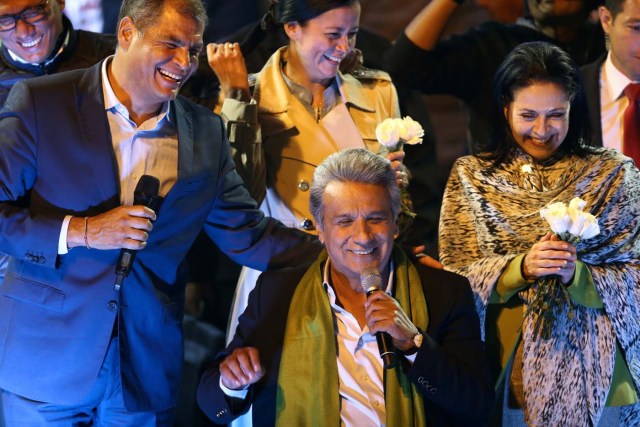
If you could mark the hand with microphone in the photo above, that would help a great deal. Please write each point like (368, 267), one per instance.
(385, 318)
(145, 194)
(371, 282)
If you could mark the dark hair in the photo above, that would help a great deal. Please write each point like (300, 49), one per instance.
(527, 64)
(352, 165)
(280, 12)
(147, 12)
(614, 7)
(303, 10)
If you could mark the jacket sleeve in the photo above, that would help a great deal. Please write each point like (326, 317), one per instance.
(245, 137)
(24, 235)
(456, 66)
(242, 231)
(219, 407)
(451, 367)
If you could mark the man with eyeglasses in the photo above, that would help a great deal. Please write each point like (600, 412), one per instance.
(37, 39)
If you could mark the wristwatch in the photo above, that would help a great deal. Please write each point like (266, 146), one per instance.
(417, 343)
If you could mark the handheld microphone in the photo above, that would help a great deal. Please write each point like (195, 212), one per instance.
(371, 282)
(146, 194)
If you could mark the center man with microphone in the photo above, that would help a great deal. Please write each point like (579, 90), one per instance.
(305, 350)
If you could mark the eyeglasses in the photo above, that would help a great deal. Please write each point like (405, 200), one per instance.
(30, 15)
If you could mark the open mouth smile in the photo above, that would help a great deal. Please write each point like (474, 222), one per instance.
(170, 76)
(332, 58)
(30, 44)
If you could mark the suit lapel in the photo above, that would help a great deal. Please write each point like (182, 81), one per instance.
(591, 79)
(95, 132)
(184, 125)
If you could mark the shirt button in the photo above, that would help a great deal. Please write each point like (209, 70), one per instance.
(112, 305)
(365, 378)
(303, 185)
(306, 224)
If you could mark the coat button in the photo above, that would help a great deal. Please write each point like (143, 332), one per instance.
(112, 305)
(303, 185)
(306, 224)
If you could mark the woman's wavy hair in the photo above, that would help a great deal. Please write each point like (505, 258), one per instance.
(528, 64)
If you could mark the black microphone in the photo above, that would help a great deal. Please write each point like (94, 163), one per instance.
(146, 194)
(371, 282)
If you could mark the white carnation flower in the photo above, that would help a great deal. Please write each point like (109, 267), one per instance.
(388, 133)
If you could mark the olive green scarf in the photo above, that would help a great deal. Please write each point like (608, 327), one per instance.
(308, 378)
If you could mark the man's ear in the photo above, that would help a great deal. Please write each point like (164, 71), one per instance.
(292, 29)
(606, 19)
(126, 31)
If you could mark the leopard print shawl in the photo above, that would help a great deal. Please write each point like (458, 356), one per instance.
(490, 215)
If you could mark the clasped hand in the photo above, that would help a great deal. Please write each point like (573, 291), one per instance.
(227, 62)
(549, 256)
(384, 314)
(123, 227)
(241, 368)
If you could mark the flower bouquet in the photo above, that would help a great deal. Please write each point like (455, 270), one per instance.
(571, 224)
(392, 134)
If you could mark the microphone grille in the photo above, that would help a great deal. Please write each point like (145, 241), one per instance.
(370, 279)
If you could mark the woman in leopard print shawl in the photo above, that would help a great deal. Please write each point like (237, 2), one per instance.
(491, 217)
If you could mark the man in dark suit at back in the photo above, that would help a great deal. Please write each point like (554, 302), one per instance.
(607, 79)
(73, 146)
(305, 351)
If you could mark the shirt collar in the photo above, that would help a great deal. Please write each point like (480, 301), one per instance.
(614, 79)
(111, 101)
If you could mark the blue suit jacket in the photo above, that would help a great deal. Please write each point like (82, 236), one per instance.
(450, 369)
(57, 312)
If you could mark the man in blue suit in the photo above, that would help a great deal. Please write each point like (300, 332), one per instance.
(73, 350)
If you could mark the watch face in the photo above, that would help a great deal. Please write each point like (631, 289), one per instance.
(417, 340)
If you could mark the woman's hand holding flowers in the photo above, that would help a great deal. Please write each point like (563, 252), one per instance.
(550, 256)
(402, 177)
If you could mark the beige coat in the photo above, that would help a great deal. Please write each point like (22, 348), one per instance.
(293, 143)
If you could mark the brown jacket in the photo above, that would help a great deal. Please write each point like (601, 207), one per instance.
(279, 144)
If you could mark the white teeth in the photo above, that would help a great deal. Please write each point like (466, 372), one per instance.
(170, 75)
(332, 58)
(362, 252)
(31, 43)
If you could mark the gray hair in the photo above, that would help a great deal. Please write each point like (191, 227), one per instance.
(145, 13)
(352, 165)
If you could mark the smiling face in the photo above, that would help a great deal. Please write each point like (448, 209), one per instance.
(151, 66)
(32, 42)
(318, 45)
(539, 118)
(358, 228)
(624, 35)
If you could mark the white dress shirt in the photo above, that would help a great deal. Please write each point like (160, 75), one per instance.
(148, 149)
(613, 102)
